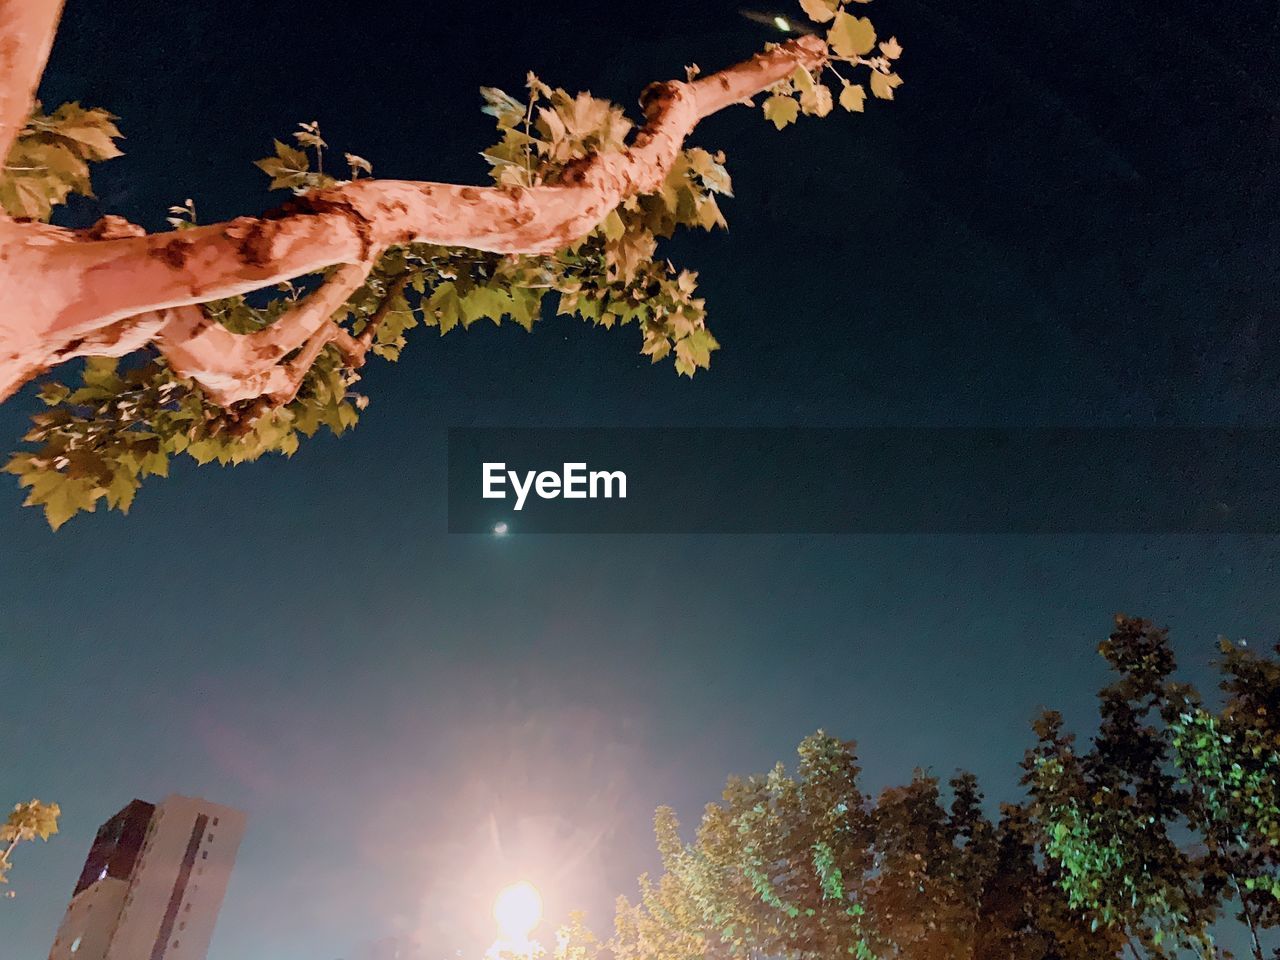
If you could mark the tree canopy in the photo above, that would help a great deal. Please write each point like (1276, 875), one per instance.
(225, 342)
(1147, 844)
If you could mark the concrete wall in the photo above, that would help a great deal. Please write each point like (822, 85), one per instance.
(86, 928)
(168, 907)
(179, 882)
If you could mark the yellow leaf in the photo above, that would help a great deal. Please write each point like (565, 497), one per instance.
(883, 84)
(891, 48)
(781, 110)
(824, 103)
(815, 98)
(851, 37)
(614, 228)
(820, 11)
(853, 97)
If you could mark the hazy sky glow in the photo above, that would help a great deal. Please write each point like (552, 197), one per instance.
(1053, 225)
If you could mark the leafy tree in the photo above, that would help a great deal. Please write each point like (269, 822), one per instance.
(1140, 845)
(808, 866)
(578, 205)
(1230, 762)
(1163, 766)
(26, 822)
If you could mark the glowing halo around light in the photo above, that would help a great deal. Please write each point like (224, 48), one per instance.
(517, 909)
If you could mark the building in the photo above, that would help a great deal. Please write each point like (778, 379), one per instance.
(152, 884)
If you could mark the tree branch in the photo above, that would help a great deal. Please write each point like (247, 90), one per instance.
(66, 289)
(233, 367)
(27, 28)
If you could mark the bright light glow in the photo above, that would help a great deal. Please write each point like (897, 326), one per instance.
(783, 24)
(518, 909)
(500, 529)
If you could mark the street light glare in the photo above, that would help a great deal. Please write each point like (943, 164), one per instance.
(782, 23)
(518, 909)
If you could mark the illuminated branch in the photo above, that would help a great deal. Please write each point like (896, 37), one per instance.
(60, 291)
(27, 28)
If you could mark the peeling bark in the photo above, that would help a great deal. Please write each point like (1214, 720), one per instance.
(62, 294)
(233, 367)
(27, 28)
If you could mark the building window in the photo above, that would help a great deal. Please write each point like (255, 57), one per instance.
(215, 821)
(204, 855)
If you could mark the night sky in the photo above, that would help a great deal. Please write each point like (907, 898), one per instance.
(1069, 217)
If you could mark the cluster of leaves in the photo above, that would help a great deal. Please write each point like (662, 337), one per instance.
(610, 277)
(50, 159)
(808, 867)
(123, 421)
(1138, 846)
(852, 41)
(1163, 767)
(26, 822)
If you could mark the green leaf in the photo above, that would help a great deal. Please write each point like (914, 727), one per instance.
(501, 105)
(485, 302)
(526, 306)
(445, 307)
(287, 169)
(61, 496)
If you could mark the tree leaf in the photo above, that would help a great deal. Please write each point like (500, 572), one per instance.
(851, 37)
(781, 110)
(853, 97)
(883, 84)
(820, 11)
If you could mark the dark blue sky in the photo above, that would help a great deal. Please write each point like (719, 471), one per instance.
(1068, 218)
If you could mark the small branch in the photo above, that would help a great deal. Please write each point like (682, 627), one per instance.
(233, 367)
(295, 371)
(1248, 916)
(365, 340)
(355, 349)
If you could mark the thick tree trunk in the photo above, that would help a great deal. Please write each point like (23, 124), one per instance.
(64, 294)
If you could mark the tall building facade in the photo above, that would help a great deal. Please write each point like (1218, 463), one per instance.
(153, 883)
